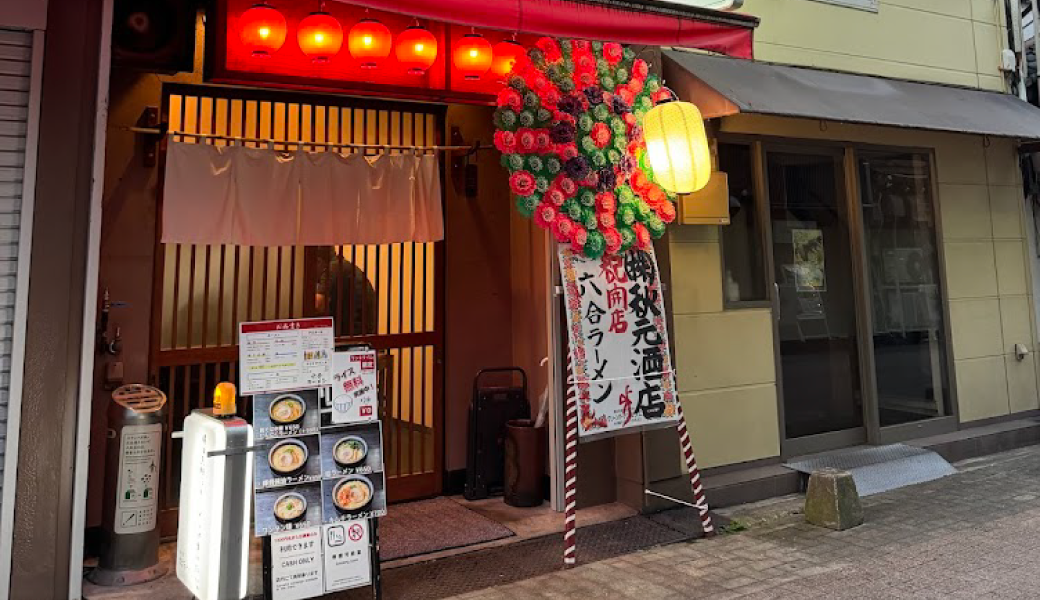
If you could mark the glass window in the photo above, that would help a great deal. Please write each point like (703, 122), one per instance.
(743, 277)
(906, 302)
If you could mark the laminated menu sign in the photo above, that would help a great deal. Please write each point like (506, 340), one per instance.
(297, 569)
(284, 355)
(618, 339)
(354, 386)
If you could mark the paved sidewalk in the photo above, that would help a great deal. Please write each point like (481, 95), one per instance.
(972, 535)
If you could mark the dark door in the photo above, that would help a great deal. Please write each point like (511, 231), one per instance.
(815, 301)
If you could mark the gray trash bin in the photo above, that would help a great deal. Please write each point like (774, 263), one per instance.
(130, 522)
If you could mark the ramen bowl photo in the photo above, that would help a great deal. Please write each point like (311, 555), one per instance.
(290, 507)
(352, 493)
(349, 451)
(288, 457)
(287, 409)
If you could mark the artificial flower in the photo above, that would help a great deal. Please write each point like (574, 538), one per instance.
(526, 118)
(593, 94)
(522, 183)
(542, 141)
(505, 142)
(563, 228)
(667, 212)
(549, 48)
(577, 168)
(556, 196)
(526, 140)
(544, 215)
(594, 245)
(541, 184)
(640, 69)
(606, 202)
(607, 178)
(612, 53)
(643, 238)
(562, 133)
(510, 98)
(612, 240)
(578, 239)
(600, 135)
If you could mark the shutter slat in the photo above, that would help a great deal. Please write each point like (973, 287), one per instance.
(14, 98)
(14, 113)
(14, 143)
(12, 159)
(16, 53)
(10, 37)
(20, 68)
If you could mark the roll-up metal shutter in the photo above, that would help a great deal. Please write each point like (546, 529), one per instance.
(20, 63)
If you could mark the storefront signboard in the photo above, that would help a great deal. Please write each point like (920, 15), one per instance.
(137, 502)
(297, 571)
(275, 356)
(354, 387)
(213, 525)
(620, 360)
(348, 558)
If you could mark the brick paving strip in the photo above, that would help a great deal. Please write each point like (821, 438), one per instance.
(973, 535)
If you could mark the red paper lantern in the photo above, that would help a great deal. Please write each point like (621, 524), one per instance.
(369, 41)
(505, 54)
(472, 56)
(320, 36)
(416, 49)
(262, 30)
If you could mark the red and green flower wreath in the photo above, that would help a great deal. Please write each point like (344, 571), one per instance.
(569, 126)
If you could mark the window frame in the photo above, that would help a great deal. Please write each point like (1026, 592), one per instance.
(761, 221)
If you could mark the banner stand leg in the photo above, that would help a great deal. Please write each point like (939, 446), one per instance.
(695, 474)
(268, 589)
(377, 569)
(570, 474)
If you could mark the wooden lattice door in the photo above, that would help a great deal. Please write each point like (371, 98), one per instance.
(389, 296)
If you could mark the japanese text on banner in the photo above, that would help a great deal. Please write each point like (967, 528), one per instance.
(618, 342)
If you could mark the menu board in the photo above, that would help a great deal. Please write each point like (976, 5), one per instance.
(310, 471)
(284, 355)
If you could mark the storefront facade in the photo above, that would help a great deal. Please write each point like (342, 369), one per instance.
(874, 283)
(925, 324)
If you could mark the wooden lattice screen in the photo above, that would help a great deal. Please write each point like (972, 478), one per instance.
(386, 295)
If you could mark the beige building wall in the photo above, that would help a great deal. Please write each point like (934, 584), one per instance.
(725, 358)
(947, 41)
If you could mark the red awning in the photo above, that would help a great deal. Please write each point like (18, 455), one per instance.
(725, 33)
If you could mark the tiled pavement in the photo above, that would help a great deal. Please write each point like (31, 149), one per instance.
(972, 535)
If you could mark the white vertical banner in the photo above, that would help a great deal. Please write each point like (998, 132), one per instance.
(618, 340)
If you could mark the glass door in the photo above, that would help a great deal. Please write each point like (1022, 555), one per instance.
(815, 303)
(902, 264)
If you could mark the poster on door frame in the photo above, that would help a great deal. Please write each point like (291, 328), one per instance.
(619, 354)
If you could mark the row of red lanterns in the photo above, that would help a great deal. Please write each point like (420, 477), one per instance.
(320, 36)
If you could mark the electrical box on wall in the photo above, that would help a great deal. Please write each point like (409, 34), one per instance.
(709, 206)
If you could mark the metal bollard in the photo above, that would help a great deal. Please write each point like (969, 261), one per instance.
(131, 506)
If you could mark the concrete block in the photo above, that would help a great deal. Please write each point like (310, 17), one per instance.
(832, 500)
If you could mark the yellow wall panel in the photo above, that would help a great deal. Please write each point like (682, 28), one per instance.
(733, 425)
(698, 289)
(1007, 205)
(976, 328)
(970, 270)
(1015, 322)
(982, 388)
(1021, 378)
(965, 211)
(947, 41)
(725, 349)
(1011, 267)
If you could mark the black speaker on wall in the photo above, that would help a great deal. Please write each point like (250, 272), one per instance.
(154, 35)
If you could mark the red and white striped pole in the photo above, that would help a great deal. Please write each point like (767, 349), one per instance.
(695, 473)
(570, 470)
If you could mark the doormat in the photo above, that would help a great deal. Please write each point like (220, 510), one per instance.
(877, 469)
(433, 525)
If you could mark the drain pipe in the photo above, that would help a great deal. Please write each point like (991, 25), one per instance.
(1013, 19)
